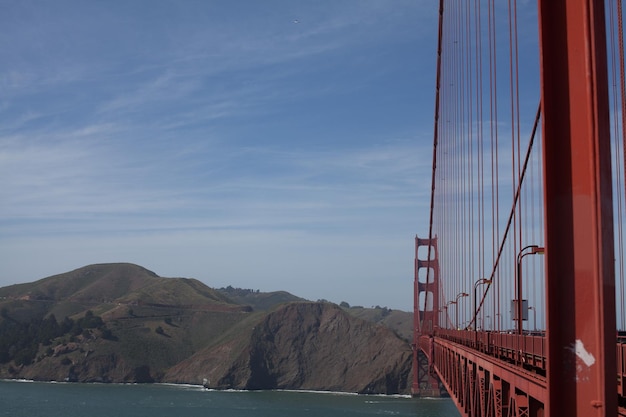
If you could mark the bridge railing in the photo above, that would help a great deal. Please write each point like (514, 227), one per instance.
(528, 350)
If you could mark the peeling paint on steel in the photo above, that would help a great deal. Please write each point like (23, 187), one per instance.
(579, 349)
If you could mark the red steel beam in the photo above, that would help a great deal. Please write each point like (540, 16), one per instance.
(495, 354)
(580, 286)
(483, 386)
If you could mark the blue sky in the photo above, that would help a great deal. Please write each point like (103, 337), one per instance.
(274, 145)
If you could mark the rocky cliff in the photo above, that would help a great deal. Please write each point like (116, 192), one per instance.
(311, 346)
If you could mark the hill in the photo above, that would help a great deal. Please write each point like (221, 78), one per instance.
(123, 323)
(259, 300)
(312, 346)
(399, 321)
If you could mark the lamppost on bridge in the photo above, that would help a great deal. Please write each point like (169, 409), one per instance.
(485, 323)
(481, 281)
(459, 295)
(534, 317)
(534, 250)
(446, 308)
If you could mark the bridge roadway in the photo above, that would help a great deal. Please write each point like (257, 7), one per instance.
(490, 373)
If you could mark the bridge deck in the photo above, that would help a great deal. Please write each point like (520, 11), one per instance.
(485, 371)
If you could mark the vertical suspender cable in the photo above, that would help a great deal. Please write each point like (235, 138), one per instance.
(495, 189)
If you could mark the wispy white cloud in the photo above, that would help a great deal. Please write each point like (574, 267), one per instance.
(165, 87)
(85, 178)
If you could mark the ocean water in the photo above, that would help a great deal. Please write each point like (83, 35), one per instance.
(38, 399)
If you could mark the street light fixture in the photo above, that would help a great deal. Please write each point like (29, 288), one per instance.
(534, 250)
(481, 281)
(446, 308)
(534, 317)
(459, 295)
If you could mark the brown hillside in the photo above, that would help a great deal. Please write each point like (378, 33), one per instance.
(93, 283)
(400, 321)
(312, 346)
(117, 283)
(153, 329)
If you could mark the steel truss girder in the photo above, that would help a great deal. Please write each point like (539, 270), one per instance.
(483, 386)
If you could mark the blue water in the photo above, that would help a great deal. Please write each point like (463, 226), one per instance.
(35, 399)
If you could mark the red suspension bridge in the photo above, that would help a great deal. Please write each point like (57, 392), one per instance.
(520, 283)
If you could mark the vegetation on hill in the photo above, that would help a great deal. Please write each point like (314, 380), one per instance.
(258, 300)
(399, 321)
(123, 323)
(20, 341)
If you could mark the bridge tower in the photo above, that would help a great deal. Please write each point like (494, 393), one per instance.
(426, 295)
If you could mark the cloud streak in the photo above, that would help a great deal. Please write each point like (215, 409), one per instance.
(80, 179)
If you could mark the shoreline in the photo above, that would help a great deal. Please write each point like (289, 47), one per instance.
(200, 387)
